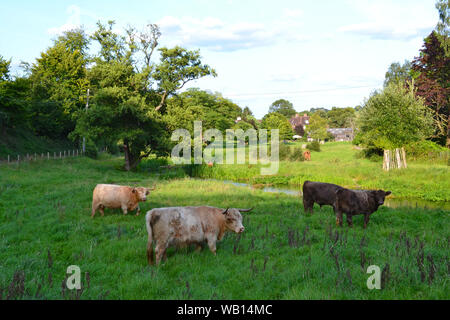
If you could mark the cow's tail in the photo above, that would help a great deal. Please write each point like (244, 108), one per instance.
(148, 219)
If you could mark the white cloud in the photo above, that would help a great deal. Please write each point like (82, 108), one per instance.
(73, 21)
(390, 20)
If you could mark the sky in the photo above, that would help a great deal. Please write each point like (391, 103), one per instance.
(313, 53)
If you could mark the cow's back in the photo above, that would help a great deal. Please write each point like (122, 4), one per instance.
(111, 195)
(320, 192)
(183, 225)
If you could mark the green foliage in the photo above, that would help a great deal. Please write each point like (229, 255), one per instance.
(283, 107)
(423, 149)
(341, 117)
(278, 121)
(443, 26)
(313, 146)
(177, 67)
(317, 128)
(398, 73)
(296, 154)
(213, 110)
(393, 118)
(59, 84)
(91, 149)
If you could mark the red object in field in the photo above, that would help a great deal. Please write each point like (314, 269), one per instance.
(307, 155)
(210, 164)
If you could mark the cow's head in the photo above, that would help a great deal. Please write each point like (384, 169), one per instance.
(141, 193)
(233, 219)
(379, 196)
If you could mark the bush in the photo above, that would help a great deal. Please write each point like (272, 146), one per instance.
(296, 154)
(423, 148)
(313, 146)
(284, 151)
(91, 149)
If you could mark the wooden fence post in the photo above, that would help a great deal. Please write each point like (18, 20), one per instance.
(60, 155)
(48, 155)
(404, 157)
(18, 158)
(8, 158)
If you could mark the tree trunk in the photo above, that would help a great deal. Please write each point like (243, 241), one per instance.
(130, 161)
(126, 149)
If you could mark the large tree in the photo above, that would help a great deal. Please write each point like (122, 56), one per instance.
(283, 107)
(129, 91)
(431, 73)
(393, 118)
(59, 84)
(317, 128)
(341, 117)
(277, 120)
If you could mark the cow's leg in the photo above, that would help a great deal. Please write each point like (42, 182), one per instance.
(198, 247)
(124, 209)
(94, 208)
(138, 210)
(349, 220)
(339, 218)
(160, 250)
(308, 205)
(366, 220)
(212, 244)
(100, 208)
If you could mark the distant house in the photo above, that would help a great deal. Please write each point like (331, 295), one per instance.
(299, 123)
(341, 134)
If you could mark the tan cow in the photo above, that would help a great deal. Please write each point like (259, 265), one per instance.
(180, 226)
(114, 196)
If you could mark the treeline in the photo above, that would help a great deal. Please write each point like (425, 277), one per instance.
(133, 102)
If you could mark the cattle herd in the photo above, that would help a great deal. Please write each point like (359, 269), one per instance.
(183, 226)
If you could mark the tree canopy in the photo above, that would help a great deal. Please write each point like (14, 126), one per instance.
(393, 118)
(283, 107)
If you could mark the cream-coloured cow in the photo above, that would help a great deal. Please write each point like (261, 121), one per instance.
(180, 226)
(115, 196)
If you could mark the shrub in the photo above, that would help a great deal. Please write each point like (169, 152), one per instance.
(296, 154)
(91, 149)
(423, 148)
(284, 151)
(313, 146)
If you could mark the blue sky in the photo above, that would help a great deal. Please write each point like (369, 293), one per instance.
(312, 53)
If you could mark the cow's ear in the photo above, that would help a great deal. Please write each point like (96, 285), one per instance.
(388, 193)
(134, 190)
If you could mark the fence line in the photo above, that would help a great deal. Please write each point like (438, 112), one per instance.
(36, 157)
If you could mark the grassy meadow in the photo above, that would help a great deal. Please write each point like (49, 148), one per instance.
(340, 163)
(45, 226)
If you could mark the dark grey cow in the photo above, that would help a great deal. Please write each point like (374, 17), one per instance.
(320, 193)
(354, 202)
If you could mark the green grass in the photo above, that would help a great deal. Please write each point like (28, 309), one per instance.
(338, 163)
(283, 254)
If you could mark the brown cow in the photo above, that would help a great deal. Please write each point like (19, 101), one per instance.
(181, 226)
(307, 155)
(114, 196)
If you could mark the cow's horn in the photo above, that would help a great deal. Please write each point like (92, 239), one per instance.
(152, 188)
(245, 210)
(226, 210)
